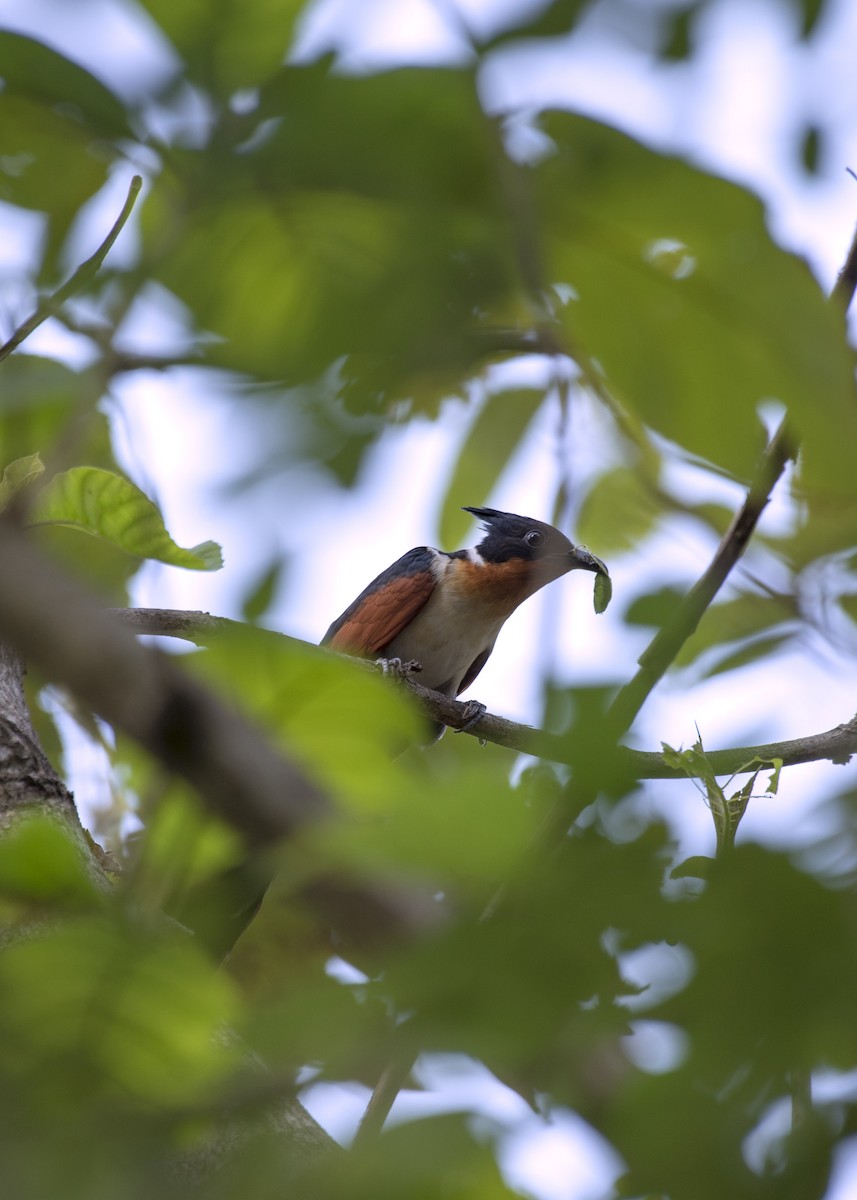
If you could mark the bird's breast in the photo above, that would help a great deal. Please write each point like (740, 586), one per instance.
(460, 622)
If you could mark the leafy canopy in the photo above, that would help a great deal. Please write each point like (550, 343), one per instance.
(350, 250)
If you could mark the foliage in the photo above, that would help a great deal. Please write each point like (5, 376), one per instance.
(352, 250)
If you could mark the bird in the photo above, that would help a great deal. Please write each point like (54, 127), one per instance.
(443, 610)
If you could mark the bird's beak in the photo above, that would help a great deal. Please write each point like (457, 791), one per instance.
(581, 558)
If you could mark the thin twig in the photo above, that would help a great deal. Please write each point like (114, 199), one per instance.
(662, 650)
(84, 273)
(391, 1081)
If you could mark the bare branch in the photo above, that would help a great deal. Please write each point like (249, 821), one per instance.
(84, 273)
(189, 625)
(834, 745)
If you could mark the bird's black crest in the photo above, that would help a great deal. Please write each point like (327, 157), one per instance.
(511, 536)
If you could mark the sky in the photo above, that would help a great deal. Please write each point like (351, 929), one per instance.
(737, 109)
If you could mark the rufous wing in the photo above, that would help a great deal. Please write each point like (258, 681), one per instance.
(385, 607)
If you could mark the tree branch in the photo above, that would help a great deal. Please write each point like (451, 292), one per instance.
(835, 745)
(662, 650)
(27, 776)
(84, 273)
(189, 625)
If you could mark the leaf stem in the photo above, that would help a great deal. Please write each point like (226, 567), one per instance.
(87, 270)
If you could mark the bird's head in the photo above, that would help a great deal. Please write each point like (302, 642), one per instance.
(509, 537)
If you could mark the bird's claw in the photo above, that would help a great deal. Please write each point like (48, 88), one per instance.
(474, 711)
(397, 668)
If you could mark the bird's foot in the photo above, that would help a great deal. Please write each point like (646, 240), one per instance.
(397, 668)
(474, 711)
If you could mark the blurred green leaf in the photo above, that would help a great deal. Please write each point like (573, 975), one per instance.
(678, 43)
(848, 604)
(29, 68)
(492, 440)
(811, 149)
(828, 527)
(261, 595)
(383, 253)
(654, 608)
(618, 512)
(40, 864)
(43, 401)
(231, 45)
(438, 1156)
(716, 516)
(507, 988)
(464, 830)
(18, 475)
(743, 617)
(124, 1011)
(694, 313)
(759, 649)
(57, 120)
(811, 11)
(786, 983)
(344, 723)
(109, 507)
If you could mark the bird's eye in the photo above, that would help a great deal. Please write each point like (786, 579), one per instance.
(534, 538)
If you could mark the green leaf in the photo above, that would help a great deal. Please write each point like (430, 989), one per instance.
(109, 507)
(784, 990)
(344, 723)
(827, 528)
(678, 29)
(383, 255)
(695, 315)
(38, 400)
(621, 508)
(39, 863)
(58, 121)
(810, 11)
(654, 609)
(263, 591)
(811, 149)
(765, 647)
(125, 1011)
(30, 68)
(233, 44)
(17, 475)
(493, 438)
(726, 812)
(734, 620)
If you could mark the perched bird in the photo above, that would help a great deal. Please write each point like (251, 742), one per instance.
(444, 611)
